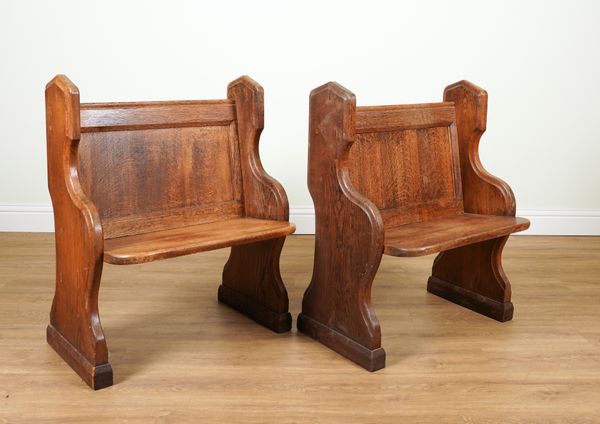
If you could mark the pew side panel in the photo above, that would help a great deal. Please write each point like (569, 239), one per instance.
(336, 308)
(252, 280)
(472, 275)
(79, 244)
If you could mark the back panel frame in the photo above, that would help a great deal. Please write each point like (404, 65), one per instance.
(150, 166)
(405, 159)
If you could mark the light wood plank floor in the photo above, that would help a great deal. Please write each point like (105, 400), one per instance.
(178, 356)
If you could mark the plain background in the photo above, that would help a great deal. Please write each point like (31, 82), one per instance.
(538, 60)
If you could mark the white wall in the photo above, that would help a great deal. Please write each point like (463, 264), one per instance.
(539, 61)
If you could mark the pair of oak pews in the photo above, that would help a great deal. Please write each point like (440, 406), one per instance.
(137, 182)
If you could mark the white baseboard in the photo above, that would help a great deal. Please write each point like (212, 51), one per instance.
(38, 218)
(26, 218)
(562, 222)
(304, 218)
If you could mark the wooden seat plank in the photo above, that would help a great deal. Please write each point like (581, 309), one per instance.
(448, 232)
(186, 240)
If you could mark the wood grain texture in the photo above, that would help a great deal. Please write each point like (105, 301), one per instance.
(448, 232)
(169, 219)
(251, 276)
(180, 241)
(135, 175)
(349, 237)
(475, 271)
(483, 193)
(411, 175)
(138, 182)
(201, 362)
(264, 197)
(402, 117)
(79, 243)
(408, 161)
(97, 117)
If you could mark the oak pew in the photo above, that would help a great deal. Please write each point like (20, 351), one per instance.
(138, 182)
(403, 180)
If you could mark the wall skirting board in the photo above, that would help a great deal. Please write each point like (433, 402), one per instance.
(38, 218)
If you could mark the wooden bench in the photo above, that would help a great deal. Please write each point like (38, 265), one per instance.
(137, 182)
(403, 181)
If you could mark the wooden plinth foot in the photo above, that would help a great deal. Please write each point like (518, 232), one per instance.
(370, 359)
(276, 321)
(500, 311)
(96, 376)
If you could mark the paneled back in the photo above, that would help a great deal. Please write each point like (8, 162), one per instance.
(405, 160)
(156, 165)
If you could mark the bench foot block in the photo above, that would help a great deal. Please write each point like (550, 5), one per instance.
(279, 322)
(96, 376)
(370, 359)
(500, 311)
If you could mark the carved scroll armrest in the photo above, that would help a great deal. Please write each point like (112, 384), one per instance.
(483, 193)
(75, 217)
(264, 197)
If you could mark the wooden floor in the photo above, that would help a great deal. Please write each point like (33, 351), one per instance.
(178, 356)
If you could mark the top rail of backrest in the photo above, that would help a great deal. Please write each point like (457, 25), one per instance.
(96, 117)
(404, 117)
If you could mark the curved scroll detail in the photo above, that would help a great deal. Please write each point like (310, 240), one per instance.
(75, 331)
(251, 278)
(264, 197)
(336, 309)
(483, 193)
